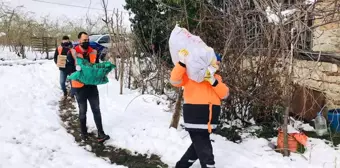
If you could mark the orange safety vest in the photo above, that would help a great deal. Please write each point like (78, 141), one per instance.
(77, 52)
(60, 49)
(198, 94)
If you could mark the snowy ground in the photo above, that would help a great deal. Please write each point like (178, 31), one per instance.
(144, 127)
(31, 134)
(6, 54)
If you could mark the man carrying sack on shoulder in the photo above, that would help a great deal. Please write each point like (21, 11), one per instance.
(201, 111)
(86, 92)
(60, 59)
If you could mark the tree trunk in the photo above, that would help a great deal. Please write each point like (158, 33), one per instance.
(158, 90)
(47, 55)
(177, 114)
(288, 99)
(115, 62)
(130, 69)
(162, 78)
(186, 15)
(121, 71)
(286, 151)
(118, 45)
(22, 51)
(143, 88)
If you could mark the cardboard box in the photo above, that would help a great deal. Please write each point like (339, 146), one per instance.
(61, 62)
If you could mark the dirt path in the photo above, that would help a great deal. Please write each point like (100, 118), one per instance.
(69, 116)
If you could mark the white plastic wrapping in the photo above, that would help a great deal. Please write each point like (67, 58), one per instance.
(200, 56)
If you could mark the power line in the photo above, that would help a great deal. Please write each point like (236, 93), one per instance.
(75, 6)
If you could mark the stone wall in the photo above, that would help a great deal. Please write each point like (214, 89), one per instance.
(320, 76)
(326, 37)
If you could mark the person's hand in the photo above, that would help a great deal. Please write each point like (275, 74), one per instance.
(182, 55)
(215, 63)
(78, 68)
(209, 75)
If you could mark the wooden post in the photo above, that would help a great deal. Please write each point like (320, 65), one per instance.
(177, 114)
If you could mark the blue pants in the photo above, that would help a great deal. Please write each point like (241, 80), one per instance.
(63, 77)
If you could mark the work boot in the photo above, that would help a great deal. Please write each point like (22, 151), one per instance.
(102, 138)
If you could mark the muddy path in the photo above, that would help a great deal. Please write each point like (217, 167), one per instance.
(69, 116)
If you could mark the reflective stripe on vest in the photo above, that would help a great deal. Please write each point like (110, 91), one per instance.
(75, 54)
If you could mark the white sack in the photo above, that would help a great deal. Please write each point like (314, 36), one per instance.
(200, 55)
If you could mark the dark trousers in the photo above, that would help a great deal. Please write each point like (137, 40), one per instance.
(90, 93)
(200, 148)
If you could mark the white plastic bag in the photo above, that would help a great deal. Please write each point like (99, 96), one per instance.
(200, 55)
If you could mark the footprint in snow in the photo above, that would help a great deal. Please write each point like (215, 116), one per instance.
(53, 103)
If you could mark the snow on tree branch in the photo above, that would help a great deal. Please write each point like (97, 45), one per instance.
(274, 17)
(310, 2)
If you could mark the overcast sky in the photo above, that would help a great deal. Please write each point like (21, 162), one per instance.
(57, 11)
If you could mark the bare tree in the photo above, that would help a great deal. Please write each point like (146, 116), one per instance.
(120, 46)
(110, 25)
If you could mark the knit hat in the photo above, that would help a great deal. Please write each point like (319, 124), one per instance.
(218, 57)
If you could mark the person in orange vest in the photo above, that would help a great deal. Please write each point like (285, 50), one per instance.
(86, 93)
(201, 110)
(63, 49)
